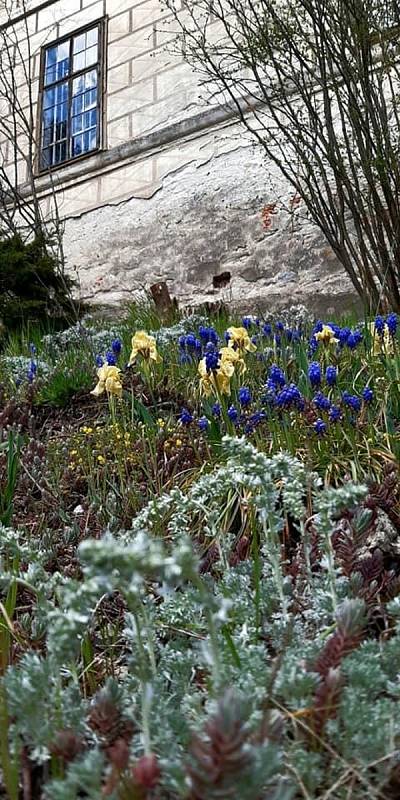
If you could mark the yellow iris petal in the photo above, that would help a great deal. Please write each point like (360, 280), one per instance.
(145, 346)
(326, 335)
(109, 381)
(240, 339)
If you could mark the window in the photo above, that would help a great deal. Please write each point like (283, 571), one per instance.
(71, 97)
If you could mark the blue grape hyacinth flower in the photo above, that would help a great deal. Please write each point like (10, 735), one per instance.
(314, 373)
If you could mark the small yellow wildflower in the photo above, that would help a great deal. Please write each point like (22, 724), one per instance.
(87, 431)
(109, 381)
(101, 459)
(240, 339)
(178, 442)
(145, 346)
(74, 453)
(326, 335)
(161, 423)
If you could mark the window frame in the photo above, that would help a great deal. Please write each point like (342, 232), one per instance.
(101, 67)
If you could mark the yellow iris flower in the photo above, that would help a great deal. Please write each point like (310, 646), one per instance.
(240, 339)
(230, 356)
(326, 336)
(109, 381)
(145, 346)
(381, 344)
(219, 380)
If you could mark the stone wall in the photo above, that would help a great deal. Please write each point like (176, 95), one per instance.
(201, 218)
(178, 189)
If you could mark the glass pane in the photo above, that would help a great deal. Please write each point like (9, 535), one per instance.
(93, 139)
(79, 61)
(77, 124)
(80, 43)
(61, 93)
(47, 157)
(77, 104)
(47, 138)
(60, 152)
(48, 98)
(91, 55)
(92, 37)
(84, 82)
(57, 63)
(77, 145)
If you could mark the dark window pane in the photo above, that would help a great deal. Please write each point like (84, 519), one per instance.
(61, 112)
(77, 145)
(93, 139)
(56, 63)
(48, 117)
(60, 152)
(47, 137)
(48, 98)
(77, 105)
(61, 93)
(47, 157)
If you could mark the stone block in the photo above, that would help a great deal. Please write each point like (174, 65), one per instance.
(77, 199)
(130, 99)
(77, 20)
(118, 78)
(118, 132)
(119, 26)
(132, 180)
(130, 46)
(175, 81)
(151, 64)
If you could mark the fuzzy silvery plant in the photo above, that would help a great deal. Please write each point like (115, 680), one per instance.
(244, 681)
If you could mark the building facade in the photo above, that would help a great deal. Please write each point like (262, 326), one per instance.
(153, 182)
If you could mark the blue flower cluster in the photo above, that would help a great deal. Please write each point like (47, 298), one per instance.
(290, 397)
(111, 356)
(345, 336)
(391, 321)
(192, 346)
(349, 401)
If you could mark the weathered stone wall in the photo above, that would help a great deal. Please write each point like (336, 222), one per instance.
(178, 189)
(203, 217)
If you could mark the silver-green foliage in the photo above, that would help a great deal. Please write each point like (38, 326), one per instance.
(240, 631)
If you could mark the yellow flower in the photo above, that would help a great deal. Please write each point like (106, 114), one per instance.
(178, 442)
(240, 339)
(101, 459)
(145, 346)
(109, 381)
(381, 344)
(326, 336)
(218, 380)
(230, 356)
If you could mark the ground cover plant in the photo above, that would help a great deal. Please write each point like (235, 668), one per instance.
(200, 559)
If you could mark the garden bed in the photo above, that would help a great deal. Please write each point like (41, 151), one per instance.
(200, 559)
